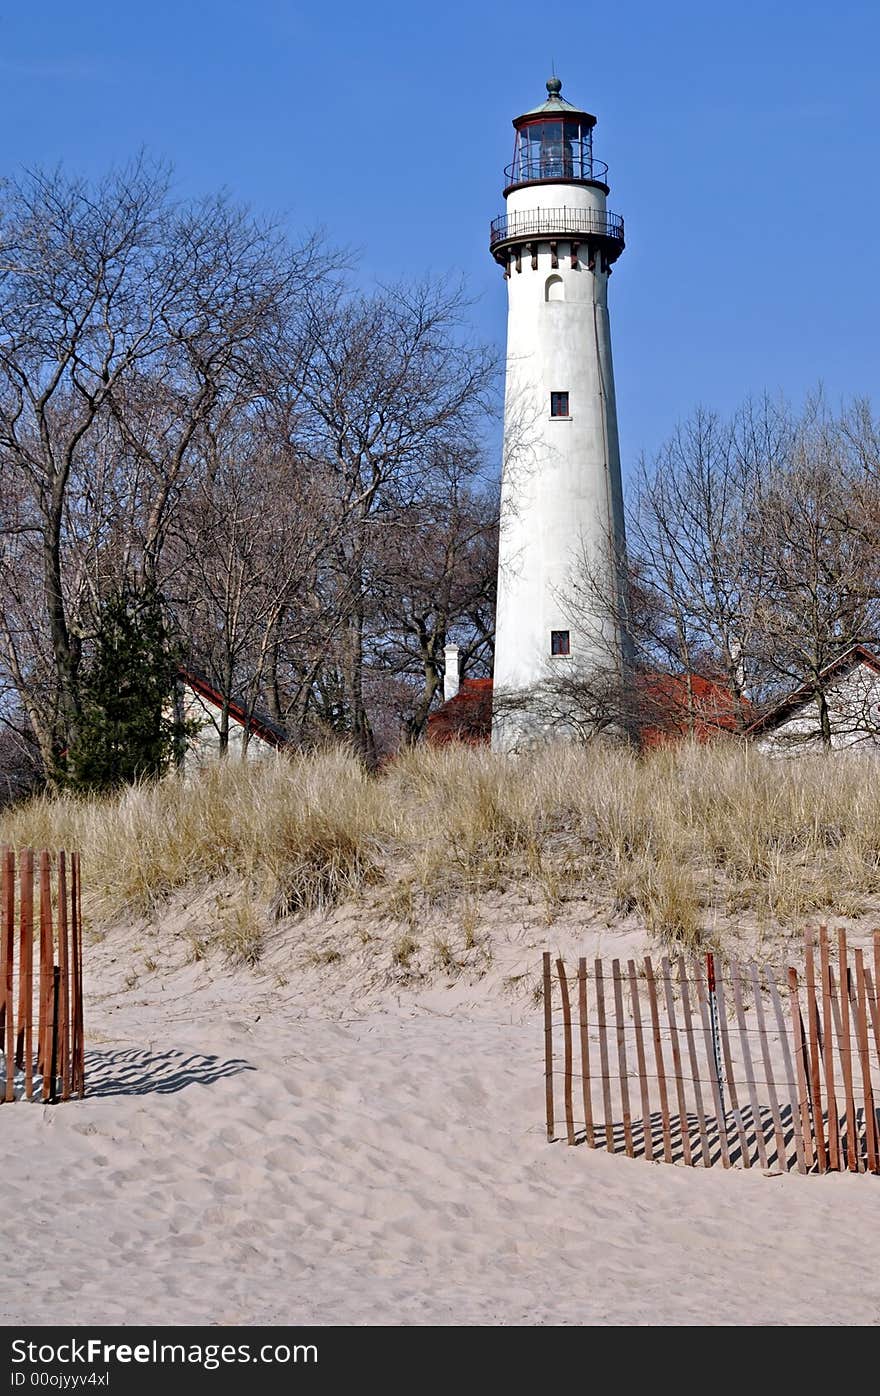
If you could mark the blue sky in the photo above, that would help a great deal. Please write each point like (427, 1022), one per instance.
(741, 139)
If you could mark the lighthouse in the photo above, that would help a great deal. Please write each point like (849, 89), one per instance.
(562, 533)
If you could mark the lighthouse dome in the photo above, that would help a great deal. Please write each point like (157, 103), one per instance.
(555, 104)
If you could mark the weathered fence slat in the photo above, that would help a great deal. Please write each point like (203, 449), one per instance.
(692, 1060)
(874, 1008)
(757, 1118)
(855, 1056)
(778, 1131)
(548, 1045)
(647, 1127)
(683, 1122)
(64, 980)
(53, 1054)
(852, 1136)
(658, 1060)
(603, 1057)
(846, 1151)
(865, 1064)
(745, 1151)
(8, 966)
(800, 1108)
(21, 1012)
(828, 1052)
(586, 1083)
(567, 1050)
(79, 1038)
(708, 1041)
(815, 1057)
(836, 993)
(874, 1013)
(46, 960)
(24, 1056)
(621, 1057)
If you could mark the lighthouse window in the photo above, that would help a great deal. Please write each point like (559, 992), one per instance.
(559, 405)
(554, 149)
(560, 642)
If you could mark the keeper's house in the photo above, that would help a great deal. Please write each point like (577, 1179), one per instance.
(209, 715)
(839, 710)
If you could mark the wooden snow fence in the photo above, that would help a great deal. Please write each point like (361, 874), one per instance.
(688, 1060)
(42, 1051)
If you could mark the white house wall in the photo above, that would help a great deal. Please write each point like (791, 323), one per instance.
(204, 747)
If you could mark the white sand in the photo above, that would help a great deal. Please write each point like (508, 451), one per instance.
(388, 1167)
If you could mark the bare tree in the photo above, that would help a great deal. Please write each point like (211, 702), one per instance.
(388, 384)
(125, 322)
(822, 592)
(243, 561)
(750, 567)
(698, 572)
(82, 283)
(435, 565)
(189, 402)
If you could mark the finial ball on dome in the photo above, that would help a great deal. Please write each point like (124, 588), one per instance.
(554, 86)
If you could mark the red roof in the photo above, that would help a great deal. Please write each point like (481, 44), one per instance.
(465, 718)
(671, 709)
(257, 725)
(676, 706)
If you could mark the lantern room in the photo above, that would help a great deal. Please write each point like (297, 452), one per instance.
(554, 143)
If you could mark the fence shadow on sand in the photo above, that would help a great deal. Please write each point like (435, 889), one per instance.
(740, 1133)
(138, 1072)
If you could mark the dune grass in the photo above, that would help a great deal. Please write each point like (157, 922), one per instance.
(678, 838)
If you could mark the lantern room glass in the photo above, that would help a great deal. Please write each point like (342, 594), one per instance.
(553, 149)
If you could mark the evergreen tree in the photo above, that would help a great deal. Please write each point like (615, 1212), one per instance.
(128, 729)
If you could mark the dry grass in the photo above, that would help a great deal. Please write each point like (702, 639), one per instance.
(298, 834)
(240, 931)
(683, 839)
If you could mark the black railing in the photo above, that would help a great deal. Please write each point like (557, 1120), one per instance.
(530, 167)
(556, 222)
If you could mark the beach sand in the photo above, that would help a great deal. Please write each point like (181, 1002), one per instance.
(255, 1151)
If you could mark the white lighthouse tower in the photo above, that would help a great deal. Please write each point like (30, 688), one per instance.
(561, 498)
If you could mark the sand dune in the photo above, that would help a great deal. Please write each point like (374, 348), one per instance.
(251, 1154)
